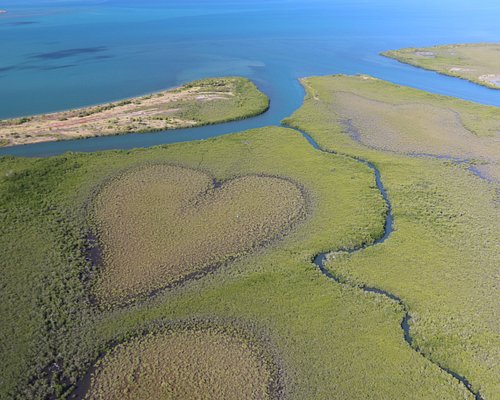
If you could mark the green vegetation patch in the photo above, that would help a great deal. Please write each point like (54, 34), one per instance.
(442, 258)
(161, 224)
(202, 102)
(333, 341)
(189, 363)
(398, 119)
(475, 62)
(221, 100)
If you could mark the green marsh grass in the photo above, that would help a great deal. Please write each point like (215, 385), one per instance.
(442, 258)
(334, 341)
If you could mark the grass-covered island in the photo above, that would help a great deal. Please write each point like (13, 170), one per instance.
(202, 102)
(476, 62)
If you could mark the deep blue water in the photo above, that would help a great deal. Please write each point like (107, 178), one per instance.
(56, 55)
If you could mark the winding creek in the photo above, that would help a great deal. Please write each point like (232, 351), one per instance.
(320, 260)
(205, 132)
(51, 63)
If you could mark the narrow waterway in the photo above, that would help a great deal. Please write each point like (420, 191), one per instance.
(320, 260)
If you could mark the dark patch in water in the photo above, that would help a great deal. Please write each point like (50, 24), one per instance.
(54, 67)
(6, 69)
(57, 55)
(23, 67)
(21, 23)
(103, 57)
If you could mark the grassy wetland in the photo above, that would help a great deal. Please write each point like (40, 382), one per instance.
(331, 340)
(475, 62)
(202, 102)
(442, 258)
(185, 363)
(162, 224)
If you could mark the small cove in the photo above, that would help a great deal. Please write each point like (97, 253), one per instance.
(72, 55)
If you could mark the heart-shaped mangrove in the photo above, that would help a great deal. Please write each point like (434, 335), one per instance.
(161, 224)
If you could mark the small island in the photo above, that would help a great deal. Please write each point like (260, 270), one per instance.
(475, 62)
(202, 102)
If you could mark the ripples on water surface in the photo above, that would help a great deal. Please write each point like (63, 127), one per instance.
(65, 54)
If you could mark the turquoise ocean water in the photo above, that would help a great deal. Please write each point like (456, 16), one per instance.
(56, 55)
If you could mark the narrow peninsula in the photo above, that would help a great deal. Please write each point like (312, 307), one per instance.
(475, 62)
(202, 102)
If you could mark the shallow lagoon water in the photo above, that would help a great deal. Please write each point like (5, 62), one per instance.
(64, 54)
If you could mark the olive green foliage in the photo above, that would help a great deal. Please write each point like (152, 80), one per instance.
(334, 341)
(23, 120)
(476, 62)
(160, 224)
(242, 100)
(185, 364)
(442, 258)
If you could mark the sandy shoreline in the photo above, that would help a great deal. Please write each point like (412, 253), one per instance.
(194, 104)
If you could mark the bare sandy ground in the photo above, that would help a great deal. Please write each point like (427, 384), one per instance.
(158, 111)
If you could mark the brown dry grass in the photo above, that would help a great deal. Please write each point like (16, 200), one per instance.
(182, 365)
(160, 224)
(412, 128)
